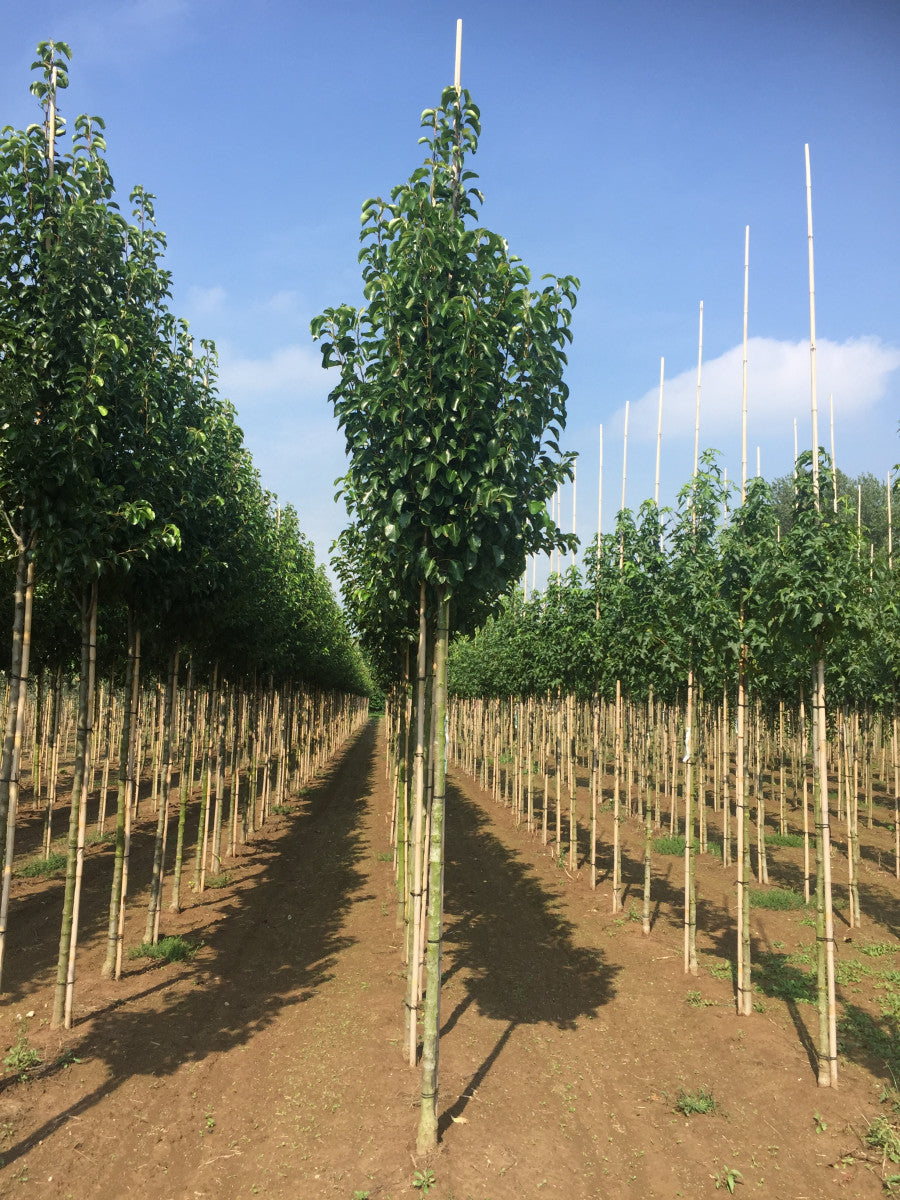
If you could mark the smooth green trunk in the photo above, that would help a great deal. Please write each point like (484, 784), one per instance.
(154, 905)
(126, 750)
(15, 725)
(426, 1141)
(184, 787)
(68, 937)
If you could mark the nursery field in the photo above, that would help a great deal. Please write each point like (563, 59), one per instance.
(577, 1058)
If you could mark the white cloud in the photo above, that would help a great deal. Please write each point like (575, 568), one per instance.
(205, 302)
(855, 372)
(284, 302)
(293, 370)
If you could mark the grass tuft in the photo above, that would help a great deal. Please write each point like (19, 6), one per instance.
(883, 1135)
(878, 949)
(22, 1056)
(218, 881)
(699, 1103)
(168, 949)
(37, 868)
(668, 845)
(777, 898)
(107, 838)
(777, 977)
(784, 839)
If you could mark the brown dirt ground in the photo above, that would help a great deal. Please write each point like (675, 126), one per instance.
(270, 1065)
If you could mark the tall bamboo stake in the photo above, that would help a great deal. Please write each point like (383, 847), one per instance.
(699, 377)
(662, 376)
(744, 984)
(617, 845)
(828, 1031)
(574, 493)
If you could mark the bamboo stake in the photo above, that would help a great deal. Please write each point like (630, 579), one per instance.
(828, 1043)
(833, 459)
(662, 376)
(744, 984)
(600, 491)
(744, 367)
(574, 492)
(699, 377)
(617, 843)
(814, 404)
(624, 458)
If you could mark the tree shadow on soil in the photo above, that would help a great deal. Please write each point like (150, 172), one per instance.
(279, 943)
(508, 940)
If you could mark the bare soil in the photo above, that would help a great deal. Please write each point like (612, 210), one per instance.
(271, 1064)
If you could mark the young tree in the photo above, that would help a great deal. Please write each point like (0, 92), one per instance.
(451, 398)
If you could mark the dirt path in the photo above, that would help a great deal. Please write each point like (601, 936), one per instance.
(270, 1065)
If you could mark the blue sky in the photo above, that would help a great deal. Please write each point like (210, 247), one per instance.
(628, 143)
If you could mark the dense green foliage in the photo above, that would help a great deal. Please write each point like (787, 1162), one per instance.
(451, 398)
(119, 461)
(669, 585)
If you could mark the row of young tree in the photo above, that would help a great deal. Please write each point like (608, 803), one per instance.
(142, 543)
(707, 636)
(668, 589)
(452, 400)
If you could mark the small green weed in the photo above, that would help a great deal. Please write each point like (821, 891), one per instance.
(804, 955)
(106, 838)
(784, 839)
(168, 949)
(722, 970)
(702, 1102)
(728, 1177)
(819, 1122)
(876, 1037)
(883, 1135)
(778, 978)
(218, 881)
(890, 1005)
(878, 949)
(68, 1058)
(22, 1056)
(668, 845)
(851, 971)
(38, 868)
(695, 1000)
(424, 1181)
(282, 810)
(385, 856)
(891, 1095)
(777, 898)
(360, 1195)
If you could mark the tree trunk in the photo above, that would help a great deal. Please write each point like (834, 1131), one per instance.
(15, 725)
(824, 909)
(415, 900)
(426, 1141)
(68, 938)
(123, 799)
(154, 906)
(184, 786)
